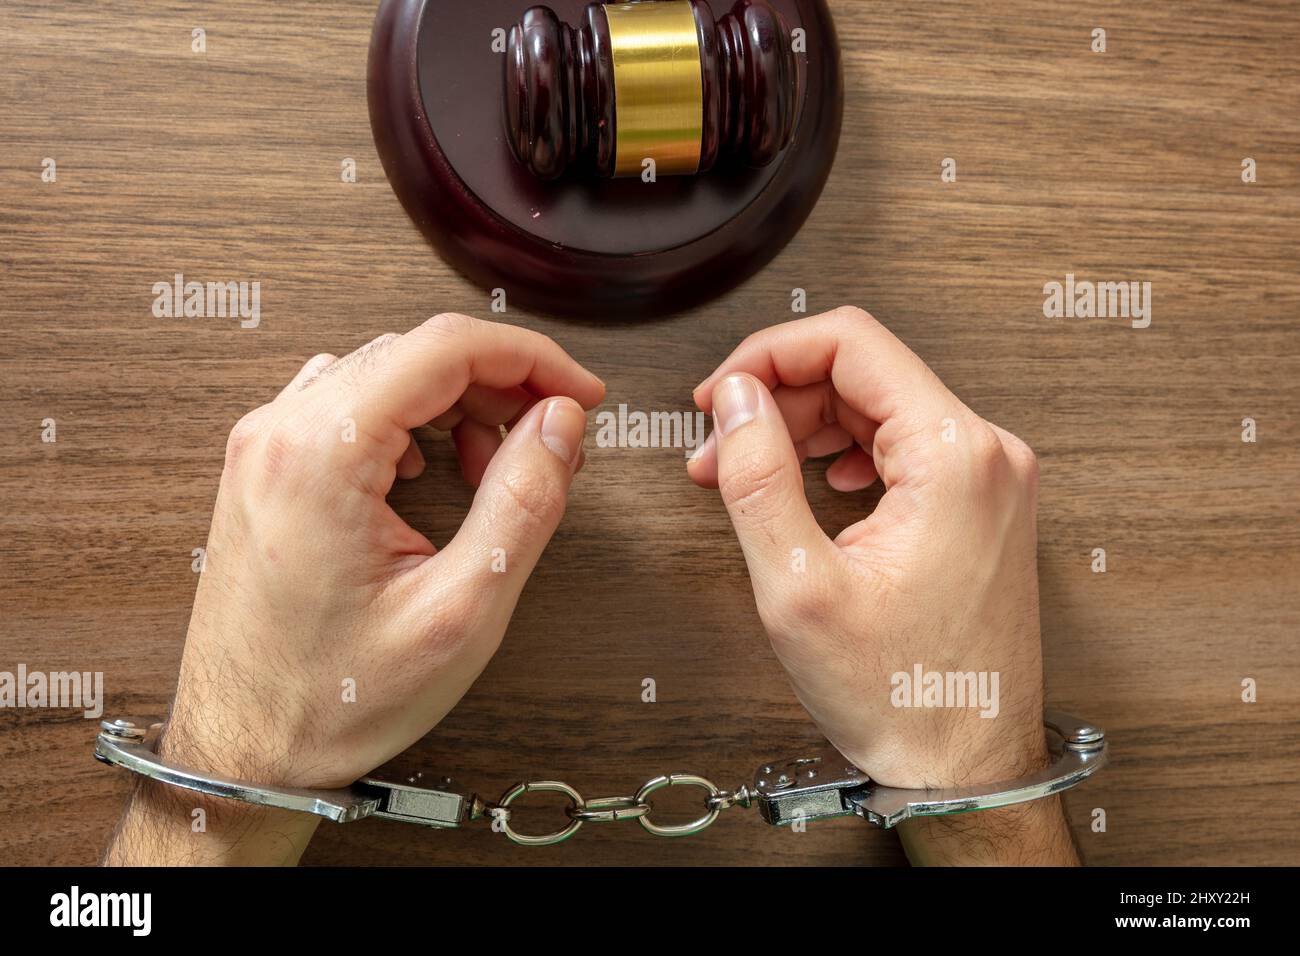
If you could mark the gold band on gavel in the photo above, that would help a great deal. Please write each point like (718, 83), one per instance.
(658, 87)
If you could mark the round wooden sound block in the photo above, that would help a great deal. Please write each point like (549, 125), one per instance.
(522, 140)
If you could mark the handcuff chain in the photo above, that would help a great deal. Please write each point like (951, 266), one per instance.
(787, 792)
(614, 809)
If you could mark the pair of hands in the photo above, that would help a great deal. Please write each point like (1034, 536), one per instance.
(312, 579)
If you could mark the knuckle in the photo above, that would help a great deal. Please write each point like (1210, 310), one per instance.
(453, 620)
(851, 314)
(315, 367)
(286, 446)
(986, 449)
(242, 436)
(903, 446)
(533, 502)
(1030, 471)
(282, 444)
(446, 617)
(754, 483)
(989, 466)
(1022, 459)
(450, 324)
(803, 606)
(753, 339)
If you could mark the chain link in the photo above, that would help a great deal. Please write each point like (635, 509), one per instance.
(612, 809)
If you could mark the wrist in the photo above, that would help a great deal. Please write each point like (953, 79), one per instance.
(1035, 833)
(1008, 752)
(233, 737)
(165, 825)
(958, 750)
(171, 826)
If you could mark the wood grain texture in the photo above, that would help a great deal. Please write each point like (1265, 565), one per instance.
(1122, 165)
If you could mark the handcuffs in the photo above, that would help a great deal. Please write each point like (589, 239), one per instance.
(786, 792)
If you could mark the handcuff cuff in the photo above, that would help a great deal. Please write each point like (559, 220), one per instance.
(787, 792)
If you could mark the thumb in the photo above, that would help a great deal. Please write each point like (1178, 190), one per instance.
(518, 504)
(762, 486)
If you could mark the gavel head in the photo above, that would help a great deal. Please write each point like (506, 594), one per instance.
(652, 82)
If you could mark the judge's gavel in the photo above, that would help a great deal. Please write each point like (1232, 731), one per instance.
(658, 80)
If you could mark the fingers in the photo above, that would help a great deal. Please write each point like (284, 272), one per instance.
(491, 406)
(448, 371)
(820, 423)
(825, 441)
(832, 346)
(877, 377)
(852, 471)
(411, 464)
(518, 505)
(476, 443)
(761, 483)
(420, 375)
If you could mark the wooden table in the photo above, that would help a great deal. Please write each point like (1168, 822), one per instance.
(1111, 166)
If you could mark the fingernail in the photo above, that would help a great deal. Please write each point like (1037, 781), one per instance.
(735, 402)
(563, 428)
